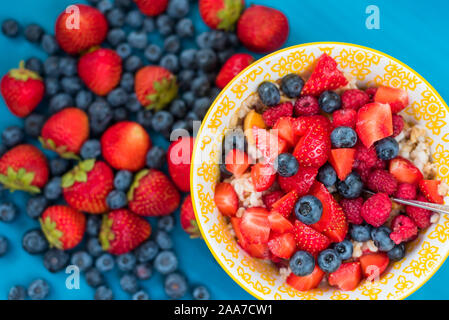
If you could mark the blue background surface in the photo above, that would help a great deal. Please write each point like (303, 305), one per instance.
(414, 32)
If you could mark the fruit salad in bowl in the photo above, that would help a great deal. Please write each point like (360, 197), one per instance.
(304, 166)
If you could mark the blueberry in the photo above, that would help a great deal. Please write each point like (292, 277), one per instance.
(166, 223)
(162, 121)
(116, 199)
(210, 76)
(286, 165)
(224, 55)
(203, 40)
(302, 263)
(33, 124)
(124, 50)
(170, 62)
(93, 225)
(8, 212)
(116, 36)
(34, 242)
(344, 249)
(51, 67)
(180, 125)
(308, 209)
(343, 137)
(143, 271)
(38, 289)
(53, 190)
(178, 8)
(218, 40)
(17, 293)
(185, 78)
(117, 97)
(233, 40)
(59, 166)
(137, 39)
(123, 180)
(129, 283)
(127, 82)
(71, 85)
(155, 158)
(49, 44)
(133, 63)
(153, 53)
(123, 4)
(126, 262)
(351, 187)
(397, 253)
(200, 86)
(35, 64)
(116, 18)
(4, 244)
(105, 262)
(360, 233)
(178, 108)
(206, 59)
(60, 101)
(381, 238)
(291, 85)
(148, 25)
(163, 240)
(94, 278)
(94, 247)
(185, 28)
(133, 104)
(3, 150)
(172, 44)
(12, 136)
(141, 295)
(387, 148)
(82, 260)
(10, 28)
(105, 5)
(189, 98)
(83, 99)
(192, 120)
(51, 86)
(68, 66)
(164, 24)
(200, 293)
(269, 93)
(55, 260)
(175, 285)
(201, 106)
(147, 251)
(214, 92)
(328, 260)
(166, 262)
(329, 101)
(35, 206)
(100, 113)
(33, 33)
(187, 58)
(91, 149)
(327, 175)
(103, 293)
(144, 118)
(134, 19)
(120, 114)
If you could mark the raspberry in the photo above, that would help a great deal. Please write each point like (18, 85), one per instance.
(352, 209)
(365, 157)
(273, 114)
(420, 216)
(380, 164)
(363, 173)
(270, 198)
(376, 210)
(406, 191)
(354, 99)
(371, 93)
(344, 118)
(382, 181)
(307, 106)
(398, 124)
(403, 228)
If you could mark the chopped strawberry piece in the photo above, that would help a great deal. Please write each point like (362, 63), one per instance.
(404, 229)
(255, 226)
(263, 176)
(300, 182)
(310, 240)
(344, 118)
(302, 125)
(270, 144)
(308, 282)
(270, 198)
(285, 130)
(395, 97)
(429, 189)
(373, 265)
(258, 251)
(325, 76)
(238, 233)
(342, 161)
(347, 277)
(237, 162)
(271, 115)
(279, 223)
(282, 246)
(226, 199)
(374, 122)
(285, 205)
(405, 171)
(313, 149)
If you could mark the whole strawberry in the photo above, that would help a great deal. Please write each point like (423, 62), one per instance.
(221, 14)
(22, 90)
(65, 132)
(80, 29)
(63, 226)
(101, 70)
(232, 67)
(87, 185)
(155, 87)
(24, 167)
(188, 220)
(123, 231)
(152, 194)
(152, 7)
(262, 29)
(179, 155)
(125, 145)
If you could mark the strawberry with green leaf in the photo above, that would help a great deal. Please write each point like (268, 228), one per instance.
(221, 14)
(188, 220)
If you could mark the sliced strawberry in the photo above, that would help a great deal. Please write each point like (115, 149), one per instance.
(302, 125)
(405, 171)
(284, 206)
(373, 265)
(278, 223)
(238, 232)
(263, 176)
(309, 239)
(374, 122)
(237, 162)
(313, 149)
(342, 161)
(282, 246)
(226, 199)
(324, 77)
(333, 222)
(308, 282)
(395, 97)
(270, 144)
(259, 251)
(300, 182)
(429, 189)
(270, 198)
(284, 126)
(347, 277)
(255, 226)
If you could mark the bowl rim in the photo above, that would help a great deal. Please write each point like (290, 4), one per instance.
(236, 79)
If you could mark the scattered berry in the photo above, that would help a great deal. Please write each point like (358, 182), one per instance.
(306, 106)
(352, 209)
(354, 99)
(376, 210)
(302, 263)
(55, 260)
(387, 148)
(38, 290)
(308, 210)
(381, 238)
(382, 181)
(344, 249)
(17, 293)
(360, 233)
(328, 260)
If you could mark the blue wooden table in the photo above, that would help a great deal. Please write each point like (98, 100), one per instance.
(413, 32)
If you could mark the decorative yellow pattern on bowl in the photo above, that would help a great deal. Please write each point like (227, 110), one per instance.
(369, 67)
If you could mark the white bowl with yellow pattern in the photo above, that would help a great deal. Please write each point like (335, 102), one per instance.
(369, 67)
